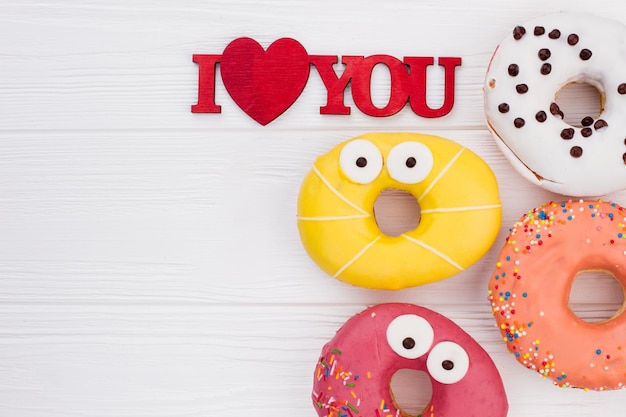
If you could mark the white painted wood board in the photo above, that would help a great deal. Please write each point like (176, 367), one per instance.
(150, 263)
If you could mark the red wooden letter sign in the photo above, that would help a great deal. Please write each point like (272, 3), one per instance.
(362, 88)
(265, 83)
(417, 93)
(206, 84)
(335, 86)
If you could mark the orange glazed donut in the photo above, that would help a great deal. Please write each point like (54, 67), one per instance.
(529, 293)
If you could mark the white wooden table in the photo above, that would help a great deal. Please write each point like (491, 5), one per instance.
(150, 263)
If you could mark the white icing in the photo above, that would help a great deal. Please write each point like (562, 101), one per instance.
(409, 162)
(447, 355)
(441, 174)
(459, 209)
(337, 193)
(537, 150)
(332, 218)
(414, 327)
(352, 153)
(434, 251)
(357, 256)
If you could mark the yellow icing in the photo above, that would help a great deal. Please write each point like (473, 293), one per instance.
(460, 218)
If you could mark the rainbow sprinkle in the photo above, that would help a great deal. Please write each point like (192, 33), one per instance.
(520, 306)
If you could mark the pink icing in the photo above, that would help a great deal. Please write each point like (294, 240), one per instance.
(355, 368)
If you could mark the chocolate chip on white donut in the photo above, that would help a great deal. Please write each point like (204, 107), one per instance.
(526, 73)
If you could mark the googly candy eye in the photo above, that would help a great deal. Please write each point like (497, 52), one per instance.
(361, 161)
(410, 336)
(447, 362)
(410, 162)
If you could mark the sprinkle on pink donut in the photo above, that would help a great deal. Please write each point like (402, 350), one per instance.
(354, 371)
(529, 292)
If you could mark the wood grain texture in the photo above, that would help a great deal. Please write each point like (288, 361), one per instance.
(150, 263)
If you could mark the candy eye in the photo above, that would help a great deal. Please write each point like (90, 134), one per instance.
(361, 161)
(410, 336)
(410, 162)
(448, 362)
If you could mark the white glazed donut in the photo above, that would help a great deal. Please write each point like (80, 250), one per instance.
(527, 71)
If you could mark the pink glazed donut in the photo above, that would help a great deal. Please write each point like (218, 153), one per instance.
(355, 368)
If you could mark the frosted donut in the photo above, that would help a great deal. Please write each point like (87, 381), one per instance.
(457, 193)
(355, 368)
(527, 71)
(529, 293)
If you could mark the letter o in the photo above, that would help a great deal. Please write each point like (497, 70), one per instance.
(362, 80)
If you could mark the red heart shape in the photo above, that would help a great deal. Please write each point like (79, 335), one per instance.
(264, 83)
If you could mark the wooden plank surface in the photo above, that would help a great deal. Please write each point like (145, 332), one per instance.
(150, 263)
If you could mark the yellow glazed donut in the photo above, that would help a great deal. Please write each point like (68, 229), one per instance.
(455, 189)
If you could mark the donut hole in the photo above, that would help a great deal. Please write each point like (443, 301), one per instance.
(596, 296)
(396, 212)
(578, 100)
(411, 391)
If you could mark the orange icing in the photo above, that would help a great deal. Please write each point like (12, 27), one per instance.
(529, 293)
